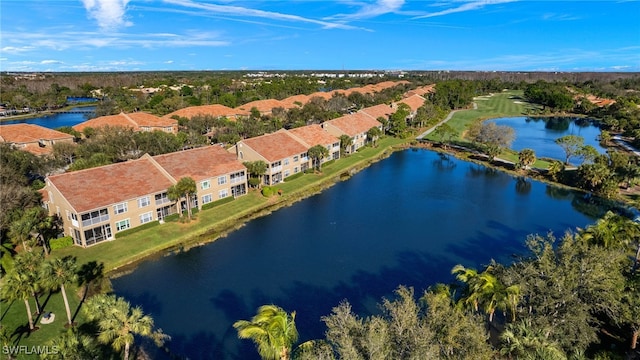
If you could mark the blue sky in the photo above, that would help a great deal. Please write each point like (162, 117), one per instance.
(131, 35)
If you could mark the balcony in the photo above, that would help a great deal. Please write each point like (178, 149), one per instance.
(238, 179)
(276, 169)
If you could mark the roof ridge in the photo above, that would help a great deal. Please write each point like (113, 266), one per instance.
(159, 167)
(135, 124)
(297, 138)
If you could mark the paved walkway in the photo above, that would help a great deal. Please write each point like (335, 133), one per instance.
(429, 131)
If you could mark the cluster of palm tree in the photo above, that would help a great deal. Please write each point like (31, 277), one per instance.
(559, 302)
(32, 274)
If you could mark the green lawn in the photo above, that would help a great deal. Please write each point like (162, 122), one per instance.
(14, 317)
(506, 103)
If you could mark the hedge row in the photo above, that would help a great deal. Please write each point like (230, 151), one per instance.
(60, 243)
(218, 203)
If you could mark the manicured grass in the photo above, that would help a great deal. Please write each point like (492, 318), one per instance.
(506, 103)
(14, 317)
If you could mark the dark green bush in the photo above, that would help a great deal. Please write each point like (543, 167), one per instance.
(254, 182)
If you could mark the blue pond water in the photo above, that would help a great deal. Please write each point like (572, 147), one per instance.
(540, 134)
(54, 121)
(405, 220)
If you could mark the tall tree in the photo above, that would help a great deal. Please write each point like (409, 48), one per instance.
(272, 329)
(119, 323)
(184, 188)
(29, 264)
(526, 158)
(445, 133)
(256, 170)
(493, 137)
(345, 142)
(373, 134)
(17, 286)
(317, 153)
(571, 144)
(56, 273)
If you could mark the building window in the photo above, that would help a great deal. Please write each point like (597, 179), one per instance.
(120, 208)
(286, 161)
(145, 218)
(223, 193)
(207, 199)
(295, 158)
(222, 180)
(296, 170)
(162, 199)
(123, 225)
(144, 201)
(286, 173)
(205, 184)
(95, 217)
(97, 234)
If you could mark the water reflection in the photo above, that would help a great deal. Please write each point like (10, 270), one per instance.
(389, 224)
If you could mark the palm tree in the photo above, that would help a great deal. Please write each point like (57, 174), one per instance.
(185, 187)
(373, 134)
(612, 231)
(526, 158)
(525, 342)
(119, 323)
(56, 273)
(72, 346)
(469, 277)
(29, 264)
(345, 142)
(272, 329)
(18, 286)
(317, 153)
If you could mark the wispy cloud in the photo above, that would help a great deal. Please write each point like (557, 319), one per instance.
(559, 17)
(248, 12)
(380, 7)
(110, 14)
(462, 7)
(44, 40)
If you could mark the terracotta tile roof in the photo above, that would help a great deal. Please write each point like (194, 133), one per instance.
(200, 163)
(275, 146)
(146, 119)
(132, 120)
(215, 110)
(314, 135)
(421, 90)
(29, 133)
(414, 102)
(291, 101)
(105, 185)
(376, 111)
(264, 106)
(354, 124)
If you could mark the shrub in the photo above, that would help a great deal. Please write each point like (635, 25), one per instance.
(267, 191)
(254, 182)
(60, 243)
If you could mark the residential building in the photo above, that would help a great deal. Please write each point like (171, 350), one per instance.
(265, 107)
(95, 204)
(217, 173)
(215, 110)
(379, 111)
(353, 125)
(283, 154)
(414, 102)
(138, 121)
(312, 135)
(35, 139)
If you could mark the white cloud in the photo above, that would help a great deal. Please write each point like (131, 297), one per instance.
(16, 50)
(466, 6)
(169, 62)
(378, 8)
(110, 14)
(248, 12)
(47, 62)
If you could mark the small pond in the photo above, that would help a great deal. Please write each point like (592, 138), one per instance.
(540, 133)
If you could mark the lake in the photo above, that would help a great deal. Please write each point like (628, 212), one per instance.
(57, 120)
(540, 134)
(405, 220)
